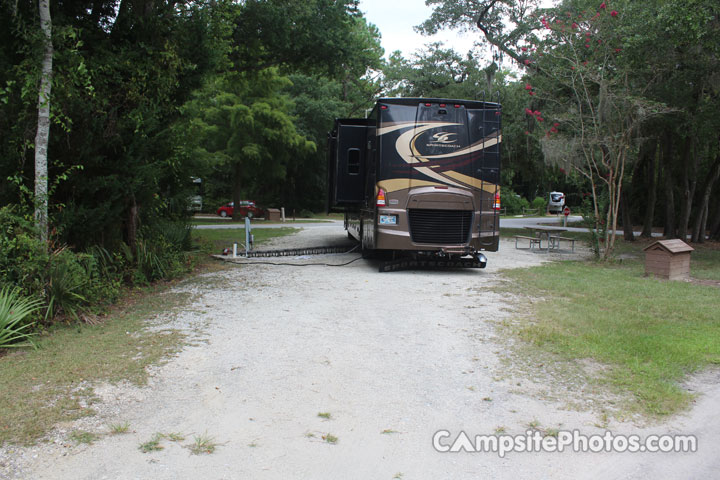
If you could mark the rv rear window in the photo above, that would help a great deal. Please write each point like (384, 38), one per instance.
(353, 156)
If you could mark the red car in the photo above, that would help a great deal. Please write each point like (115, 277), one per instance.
(247, 209)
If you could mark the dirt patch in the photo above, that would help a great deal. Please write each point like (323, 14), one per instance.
(387, 358)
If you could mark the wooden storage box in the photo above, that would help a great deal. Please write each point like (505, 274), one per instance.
(668, 259)
(273, 215)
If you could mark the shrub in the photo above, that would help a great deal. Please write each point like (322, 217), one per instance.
(23, 258)
(70, 283)
(540, 204)
(513, 202)
(15, 311)
(160, 253)
(104, 272)
(66, 282)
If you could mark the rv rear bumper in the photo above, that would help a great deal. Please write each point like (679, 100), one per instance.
(401, 236)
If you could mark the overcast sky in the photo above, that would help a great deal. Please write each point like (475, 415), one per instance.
(396, 18)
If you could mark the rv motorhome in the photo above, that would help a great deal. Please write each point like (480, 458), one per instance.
(419, 176)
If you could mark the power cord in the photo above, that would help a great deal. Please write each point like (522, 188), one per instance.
(308, 264)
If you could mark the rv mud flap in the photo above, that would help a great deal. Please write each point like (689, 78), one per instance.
(433, 262)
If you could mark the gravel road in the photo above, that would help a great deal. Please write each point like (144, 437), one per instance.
(392, 358)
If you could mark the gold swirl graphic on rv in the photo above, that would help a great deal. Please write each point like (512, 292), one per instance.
(405, 146)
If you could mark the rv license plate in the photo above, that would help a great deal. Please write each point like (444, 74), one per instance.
(388, 219)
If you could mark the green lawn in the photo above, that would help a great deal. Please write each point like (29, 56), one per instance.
(651, 332)
(255, 223)
(213, 241)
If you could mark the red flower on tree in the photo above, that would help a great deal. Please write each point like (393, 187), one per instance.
(614, 13)
(603, 5)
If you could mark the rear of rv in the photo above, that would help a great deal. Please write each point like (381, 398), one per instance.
(427, 179)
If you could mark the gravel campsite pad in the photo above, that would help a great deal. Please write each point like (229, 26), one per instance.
(341, 372)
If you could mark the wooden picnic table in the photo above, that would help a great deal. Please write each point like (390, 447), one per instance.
(548, 232)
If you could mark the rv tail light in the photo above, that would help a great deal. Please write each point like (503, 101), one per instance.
(380, 202)
(383, 107)
(428, 104)
(496, 205)
(442, 105)
(457, 105)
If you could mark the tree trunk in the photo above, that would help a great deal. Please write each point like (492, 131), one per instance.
(651, 186)
(237, 185)
(628, 234)
(669, 196)
(42, 136)
(701, 221)
(690, 166)
(715, 227)
(131, 223)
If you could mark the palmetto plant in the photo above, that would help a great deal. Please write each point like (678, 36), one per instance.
(66, 279)
(15, 309)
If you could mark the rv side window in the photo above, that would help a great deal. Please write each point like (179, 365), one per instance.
(353, 156)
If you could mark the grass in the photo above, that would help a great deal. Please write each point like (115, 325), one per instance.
(328, 216)
(43, 387)
(202, 444)
(214, 241)
(511, 232)
(119, 428)
(152, 445)
(325, 415)
(175, 437)
(704, 261)
(255, 223)
(650, 333)
(80, 436)
(330, 438)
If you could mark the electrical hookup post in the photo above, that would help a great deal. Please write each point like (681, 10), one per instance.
(566, 212)
(249, 240)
